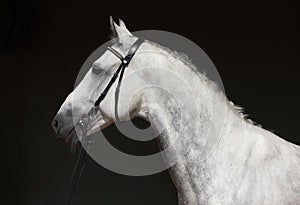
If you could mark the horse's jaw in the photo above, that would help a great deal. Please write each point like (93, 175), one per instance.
(98, 124)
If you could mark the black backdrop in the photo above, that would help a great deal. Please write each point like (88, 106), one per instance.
(254, 45)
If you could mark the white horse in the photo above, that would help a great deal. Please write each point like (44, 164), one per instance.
(249, 165)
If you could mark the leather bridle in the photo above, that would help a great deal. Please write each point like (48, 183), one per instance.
(85, 120)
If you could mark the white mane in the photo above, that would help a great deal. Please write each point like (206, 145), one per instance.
(188, 62)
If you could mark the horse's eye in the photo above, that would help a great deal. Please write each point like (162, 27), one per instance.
(96, 69)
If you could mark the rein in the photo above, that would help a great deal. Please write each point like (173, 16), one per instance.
(85, 120)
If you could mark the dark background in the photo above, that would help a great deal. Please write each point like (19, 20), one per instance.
(254, 45)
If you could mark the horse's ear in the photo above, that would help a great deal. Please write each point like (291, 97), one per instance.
(122, 26)
(113, 27)
(121, 33)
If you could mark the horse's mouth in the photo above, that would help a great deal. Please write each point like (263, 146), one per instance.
(71, 137)
(101, 122)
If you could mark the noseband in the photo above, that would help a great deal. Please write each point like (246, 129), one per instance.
(85, 120)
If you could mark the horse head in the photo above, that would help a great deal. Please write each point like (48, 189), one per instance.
(83, 97)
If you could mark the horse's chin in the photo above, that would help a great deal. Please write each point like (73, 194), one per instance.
(72, 137)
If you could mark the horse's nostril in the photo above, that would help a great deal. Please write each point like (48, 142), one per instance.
(56, 125)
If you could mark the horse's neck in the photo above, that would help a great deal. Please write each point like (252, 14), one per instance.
(208, 142)
(189, 112)
(191, 124)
